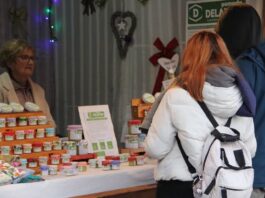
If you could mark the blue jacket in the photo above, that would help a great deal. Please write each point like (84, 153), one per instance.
(252, 65)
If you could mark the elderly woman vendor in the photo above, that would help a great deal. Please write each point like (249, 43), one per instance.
(18, 57)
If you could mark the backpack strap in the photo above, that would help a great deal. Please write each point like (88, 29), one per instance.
(191, 168)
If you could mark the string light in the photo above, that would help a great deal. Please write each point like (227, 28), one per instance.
(49, 17)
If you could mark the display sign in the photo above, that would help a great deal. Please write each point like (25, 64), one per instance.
(203, 15)
(98, 129)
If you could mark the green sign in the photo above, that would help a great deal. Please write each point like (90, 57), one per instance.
(98, 115)
(207, 11)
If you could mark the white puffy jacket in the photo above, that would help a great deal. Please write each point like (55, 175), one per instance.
(179, 113)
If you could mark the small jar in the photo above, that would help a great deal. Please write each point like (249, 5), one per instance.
(44, 170)
(131, 141)
(32, 120)
(5, 150)
(2, 122)
(106, 165)
(132, 161)
(22, 121)
(115, 164)
(42, 120)
(40, 133)
(37, 147)
(50, 132)
(9, 135)
(68, 170)
(57, 145)
(71, 147)
(27, 148)
(55, 159)
(82, 166)
(82, 147)
(32, 163)
(133, 126)
(29, 133)
(11, 122)
(66, 158)
(47, 146)
(18, 149)
(140, 160)
(53, 169)
(99, 161)
(75, 132)
(23, 162)
(20, 135)
(93, 163)
(124, 157)
(43, 160)
(141, 138)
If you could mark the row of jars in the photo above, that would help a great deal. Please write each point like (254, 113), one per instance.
(36, 147)
(53, 159)
(23, 121)
(10, 135)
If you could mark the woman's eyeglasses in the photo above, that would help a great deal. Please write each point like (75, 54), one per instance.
(26, 58)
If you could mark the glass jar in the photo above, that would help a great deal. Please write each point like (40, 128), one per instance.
(9, 135)
(53, 169)
(40, 133)
(132, 161)
(115, 164)
(44, 170)
(131, 141)
(82, 147)
(57, 145)
(55, 159)
(32, 120)
(37, 147)
(2, 122)
(22, 121)
(11, 122)
(27, 148)
(5, 150)
(75, 132)
(18, 149)
(82, 166)
(133, 126)
(43, 160)
(71, 147)
(20, 135)
(42, 120)
(47, 146)
(50, 132)
(106, 165)
(65, 158)
(23, 162)
(29, 133)
(32, 163)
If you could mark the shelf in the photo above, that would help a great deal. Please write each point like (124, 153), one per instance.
(16, 128)
(22, 114)
(83, 157)
(28, 141)
(43, 153)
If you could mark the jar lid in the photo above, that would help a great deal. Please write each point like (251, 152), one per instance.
(132, 158)
(115, 162)
(82, 164)
(32, 160)
(9, 133)
(134, 122)
(105, 162)
(37, 144)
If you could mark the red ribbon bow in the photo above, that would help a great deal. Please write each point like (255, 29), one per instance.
(166, 52)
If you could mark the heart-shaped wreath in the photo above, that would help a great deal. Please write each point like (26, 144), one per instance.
(123, 25)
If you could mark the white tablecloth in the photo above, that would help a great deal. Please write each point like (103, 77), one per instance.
(93, 181)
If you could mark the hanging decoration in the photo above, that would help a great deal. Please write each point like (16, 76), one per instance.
(144, 2)
(49, 17)
(168, 52)
(100, 3)
(123, 25)
(18, 18)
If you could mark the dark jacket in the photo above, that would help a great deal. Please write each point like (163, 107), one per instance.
(252, 65)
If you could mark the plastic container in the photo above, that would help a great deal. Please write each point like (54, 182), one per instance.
(140, 160)
(57, 145)
(82, 147)
(106, 165)
(133, 126)
(27, 148)
(132, 161)
(33, 120)
(23, 162)
(40, 133)
(50, 132)
(20, 135)
(141, 138)
(65, 158)
(44, 170)
(71, 147)
(2, 122)
(82, 166)
(37, 147)
(75, 132)
(5, 150)
(55, 159)
(115, 164)
(18, 149)
(9, 135)
(29, 133)
(68, 169)
(47, 146)
(11, 122)
(22, 121)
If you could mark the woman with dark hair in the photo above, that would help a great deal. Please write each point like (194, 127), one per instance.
(18, 58)
(240, 27)
(207, 74)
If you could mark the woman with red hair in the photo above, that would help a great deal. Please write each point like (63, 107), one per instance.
(208, 74)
